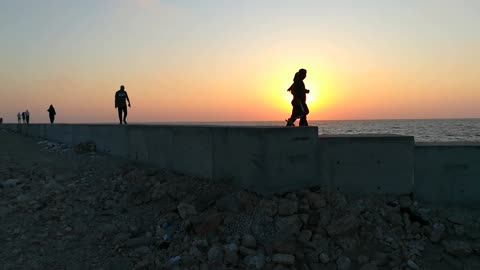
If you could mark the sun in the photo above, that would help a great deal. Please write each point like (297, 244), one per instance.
(278, 99)
(281, 98)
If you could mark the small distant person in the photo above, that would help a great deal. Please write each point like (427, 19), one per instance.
(121, 98)
(27, 116)
(19, 118)
(1, 120)
(51, 113)
(299, 105)
(23, 117)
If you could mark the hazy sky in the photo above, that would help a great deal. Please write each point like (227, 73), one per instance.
(225, 60)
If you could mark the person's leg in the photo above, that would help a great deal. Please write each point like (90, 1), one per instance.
(296, 112)
(291, 120)
(306, 111)
(125, 115)
(303, 121)
(51, 119)
(120, 115)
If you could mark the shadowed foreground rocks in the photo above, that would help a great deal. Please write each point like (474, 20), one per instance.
(61, 208)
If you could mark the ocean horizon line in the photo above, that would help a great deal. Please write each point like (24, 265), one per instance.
(256, 121)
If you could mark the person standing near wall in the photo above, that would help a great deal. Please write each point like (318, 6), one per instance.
(27, 116)
(121, 98)
(19, 118)
(51, 113)
(23, 117)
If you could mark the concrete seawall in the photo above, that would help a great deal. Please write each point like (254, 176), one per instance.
(262, 159)
(277, 159)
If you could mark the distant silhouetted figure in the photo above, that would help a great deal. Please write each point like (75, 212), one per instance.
(27, 116)
(19, 118)
(121, 98)
(23, 117)
(300, 108)
(1, 120)
(51, 113)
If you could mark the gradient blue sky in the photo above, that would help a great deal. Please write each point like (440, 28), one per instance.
(232, 60)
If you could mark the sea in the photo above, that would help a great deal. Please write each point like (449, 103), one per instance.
(424, 130)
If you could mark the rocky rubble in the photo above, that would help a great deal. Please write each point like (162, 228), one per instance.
(127, 217)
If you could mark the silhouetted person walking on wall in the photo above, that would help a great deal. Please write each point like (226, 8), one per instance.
(27, 117)
(19, 118)
(121, 98)
(300, 108)
(51, 113)
(23, 117)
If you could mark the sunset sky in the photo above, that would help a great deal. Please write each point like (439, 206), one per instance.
(226, 60)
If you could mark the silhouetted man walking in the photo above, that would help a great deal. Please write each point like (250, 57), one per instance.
(300, 108)
(121, 98)
(27, 116)
(51, 113)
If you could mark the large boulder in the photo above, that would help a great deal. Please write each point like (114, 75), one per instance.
(287, 226)
(270, 207)
(315, 200)
(457, 247)
(283, 259)
(249, 241)
(186, 210)
(255, 261)
(287, 207)
(343, 225)
(207, 223)
(215, 255)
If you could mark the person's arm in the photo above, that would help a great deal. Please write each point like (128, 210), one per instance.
(290, 88)
(115, 100)
(128, 100)
(303, 89)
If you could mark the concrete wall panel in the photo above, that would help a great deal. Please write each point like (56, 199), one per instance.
(363, 164)
(191, 151)
(290, 158)
(111, 139)
(58, 133)
(239, 157)
(137, 147)
(448, 174)
(159, 146)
